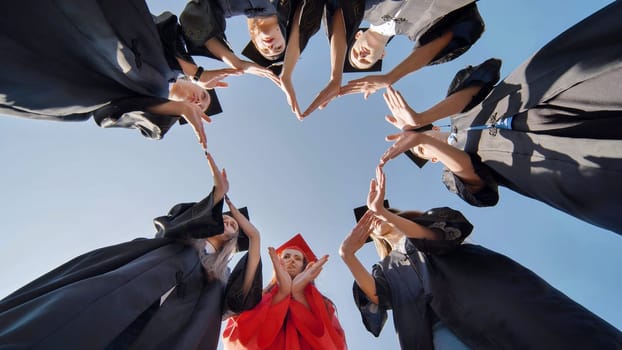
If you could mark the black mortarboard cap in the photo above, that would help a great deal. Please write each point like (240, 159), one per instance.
(251, 52)
(360, 211)
(243, 242)
(214, 106)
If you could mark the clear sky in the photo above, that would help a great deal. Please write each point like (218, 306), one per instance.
(67, 188)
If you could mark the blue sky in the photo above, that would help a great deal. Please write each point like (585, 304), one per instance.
(67, 188)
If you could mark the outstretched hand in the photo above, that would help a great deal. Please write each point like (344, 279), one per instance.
(255, 69)
(403, 117)
(288, 88)
(221, 183)
(213, 78)
(358, 236)
(329, 93)
(377, 186)
(309, 275)
(366, 85)
(402, 142)
(282, 276)
(195, 116)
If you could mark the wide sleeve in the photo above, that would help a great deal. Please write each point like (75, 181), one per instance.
(236, 300)
(192, 220)
(257, 327)
(202, 20)
(172, 40)
(466, 25)
(487, 196)
(373, 315)
(317, 325)
(485, 75)
(450, 226)
(130, 113)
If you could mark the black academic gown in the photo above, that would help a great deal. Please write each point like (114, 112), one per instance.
(564, 148)
(66, 60)
(110, 297)
(488, 300)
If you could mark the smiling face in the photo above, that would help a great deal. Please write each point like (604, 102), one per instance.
(366, 50)
(266, 35)
(293, 260)
(185, 90)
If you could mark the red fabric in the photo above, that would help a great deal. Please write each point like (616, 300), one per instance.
(287, 325)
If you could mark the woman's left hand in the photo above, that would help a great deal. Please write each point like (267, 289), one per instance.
(213, 78)
(366, 85)
(290, 94)
(307, 276)
(221, 183)
(401, 143)
(329, 93)
(358, 236)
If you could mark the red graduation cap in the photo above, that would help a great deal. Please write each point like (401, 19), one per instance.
(298, 243)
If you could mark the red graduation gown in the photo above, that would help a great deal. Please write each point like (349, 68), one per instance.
(287, 324)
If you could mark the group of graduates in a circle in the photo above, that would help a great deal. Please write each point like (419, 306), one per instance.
(548, 131)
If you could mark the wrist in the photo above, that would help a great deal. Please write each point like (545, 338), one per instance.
(198, 73)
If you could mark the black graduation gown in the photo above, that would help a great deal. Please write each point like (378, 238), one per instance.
(564, 148)
(109, 298)
(488, 300)
(67, 61)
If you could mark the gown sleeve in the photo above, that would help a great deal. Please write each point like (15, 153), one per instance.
(486, 197)
(130, 113)
(192, 220)
(451, 227)
(172, 39)
(202, 20)
(467, 26)
(373, 315)
(235, 300)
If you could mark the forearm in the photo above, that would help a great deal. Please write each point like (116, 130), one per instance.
(409, 228)
(419, 57)
(338, 46)
(451, 105)
(220, 51)
(363, 278)
(292, 51)
(252, 263)
(188, 68)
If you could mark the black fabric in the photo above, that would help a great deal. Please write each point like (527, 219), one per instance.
(110, 297)
(488, 300)
(568, 93)
(93, 58)
(466, 25)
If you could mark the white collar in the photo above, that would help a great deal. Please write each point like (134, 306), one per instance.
(209, 248)
(386, 29)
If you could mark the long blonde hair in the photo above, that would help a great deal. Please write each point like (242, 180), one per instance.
(383, 246)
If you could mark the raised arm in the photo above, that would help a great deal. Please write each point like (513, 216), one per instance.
(350, 245)
(300, 282)
(292, 54)
(338, 50)
(254, 246)
(456, 160)
(405, 118)
(283, 280)
(418, 58)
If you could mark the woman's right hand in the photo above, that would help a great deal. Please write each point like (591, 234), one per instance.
(403, 117)
(282, 276)
(375, 197)
(255, 69)
(358, 236)
(288, 88)
(221, 183)
(213, 78)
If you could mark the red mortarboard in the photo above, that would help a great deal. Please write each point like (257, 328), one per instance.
(298, 243)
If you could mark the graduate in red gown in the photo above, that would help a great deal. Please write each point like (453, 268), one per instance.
(292, 314)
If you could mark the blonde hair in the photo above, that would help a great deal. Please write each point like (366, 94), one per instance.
(383, 246)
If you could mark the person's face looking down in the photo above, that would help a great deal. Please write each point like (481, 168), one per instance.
(266, 35)
(366, 50)
(185, 90)
(231, 228)
(293, 260)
